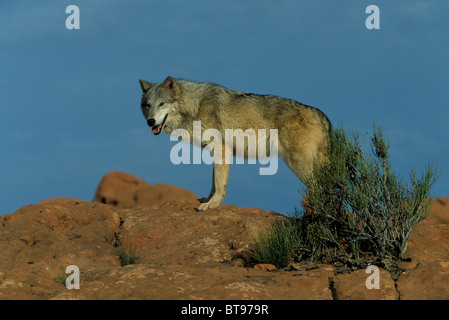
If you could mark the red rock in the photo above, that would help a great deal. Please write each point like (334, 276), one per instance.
(426, 275)
(439, 212)
(60, 200)
(265, 267)
(353, 286)
(429, 280)
(428, 242)
(123, 190)
(184, 254)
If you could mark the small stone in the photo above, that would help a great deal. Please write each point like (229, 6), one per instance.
(265, 267)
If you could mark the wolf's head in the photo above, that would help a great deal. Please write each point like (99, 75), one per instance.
(159, 101)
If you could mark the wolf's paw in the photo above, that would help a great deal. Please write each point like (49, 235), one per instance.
(203, 206)
(208, 205)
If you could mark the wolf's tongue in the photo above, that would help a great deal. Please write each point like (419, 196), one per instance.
(157, 129)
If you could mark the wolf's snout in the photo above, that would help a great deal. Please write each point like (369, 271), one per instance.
(151, 122)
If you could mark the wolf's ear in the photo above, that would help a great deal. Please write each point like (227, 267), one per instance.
(171, 84)
(145, 86)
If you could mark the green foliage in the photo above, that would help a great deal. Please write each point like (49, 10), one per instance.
(357, 207)
(128, 256)
(61, 277)
(278, 244)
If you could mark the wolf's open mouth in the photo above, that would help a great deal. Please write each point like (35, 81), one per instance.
(157, 129)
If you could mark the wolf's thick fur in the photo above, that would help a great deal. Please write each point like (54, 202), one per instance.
(303, 131)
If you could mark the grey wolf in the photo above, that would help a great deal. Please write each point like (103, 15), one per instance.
(254, 147)
(303, 131)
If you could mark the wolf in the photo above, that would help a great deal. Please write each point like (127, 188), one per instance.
(303, 131)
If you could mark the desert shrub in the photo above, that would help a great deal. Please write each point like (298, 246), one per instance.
(357, 206)
(277, 244)
(128, 256)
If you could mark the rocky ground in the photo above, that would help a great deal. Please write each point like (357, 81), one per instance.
(186, 254)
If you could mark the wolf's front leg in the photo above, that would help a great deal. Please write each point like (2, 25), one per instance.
(212, 191)
(218, 193)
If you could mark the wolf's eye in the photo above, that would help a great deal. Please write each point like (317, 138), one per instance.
(161, 104)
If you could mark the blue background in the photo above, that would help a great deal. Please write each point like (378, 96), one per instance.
(70, 99)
